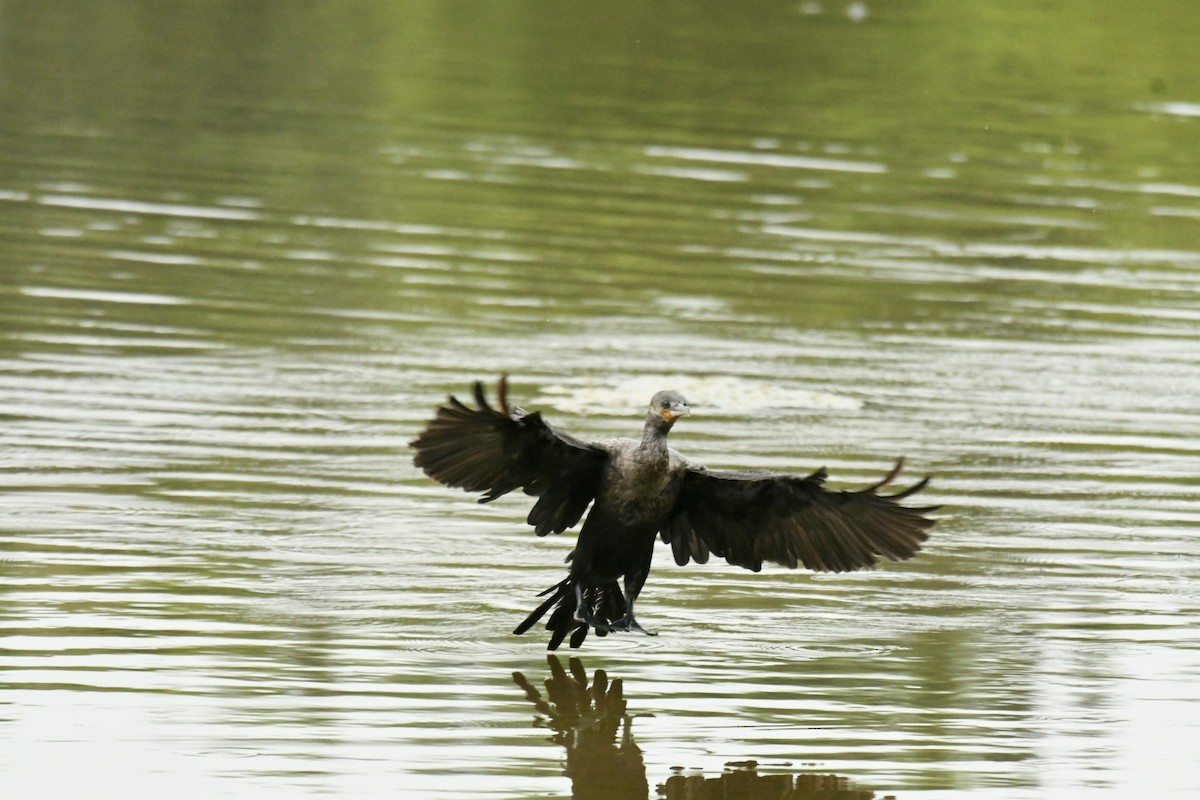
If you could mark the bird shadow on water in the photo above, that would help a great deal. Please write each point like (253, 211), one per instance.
(591, 720)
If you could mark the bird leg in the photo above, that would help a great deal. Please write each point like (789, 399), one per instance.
(629, 622)
(583, 611)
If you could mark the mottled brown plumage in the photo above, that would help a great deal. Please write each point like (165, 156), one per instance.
(640, 490)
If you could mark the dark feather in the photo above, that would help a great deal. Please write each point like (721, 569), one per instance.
(748, 518)
(494, 451)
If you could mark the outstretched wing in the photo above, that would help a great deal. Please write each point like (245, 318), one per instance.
(748, 518)
(495, 451)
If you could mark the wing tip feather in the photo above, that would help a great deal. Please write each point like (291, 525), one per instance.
(502, 394)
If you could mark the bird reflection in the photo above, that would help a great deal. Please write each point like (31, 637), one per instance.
(601, 764)
(741, 780)
(592, 722)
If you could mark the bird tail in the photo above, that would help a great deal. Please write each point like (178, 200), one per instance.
(606, 603)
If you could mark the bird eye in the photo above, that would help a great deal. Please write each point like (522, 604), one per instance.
(666, 403)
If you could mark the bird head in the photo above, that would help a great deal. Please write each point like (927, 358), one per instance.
(667, 407)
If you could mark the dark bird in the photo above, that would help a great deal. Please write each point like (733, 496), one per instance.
(639, 490)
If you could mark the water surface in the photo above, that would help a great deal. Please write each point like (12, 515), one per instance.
(245, 251)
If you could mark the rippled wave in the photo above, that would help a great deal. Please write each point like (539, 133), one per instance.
(223, 323)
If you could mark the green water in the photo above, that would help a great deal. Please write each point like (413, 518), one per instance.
(245, 250)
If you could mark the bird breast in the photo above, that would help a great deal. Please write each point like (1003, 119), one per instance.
(639, 486)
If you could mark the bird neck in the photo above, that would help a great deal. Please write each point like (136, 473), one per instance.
(654, 436)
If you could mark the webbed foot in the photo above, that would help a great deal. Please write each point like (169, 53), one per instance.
(628, 623)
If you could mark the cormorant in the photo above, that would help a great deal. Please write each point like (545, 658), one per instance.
(640, 490)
